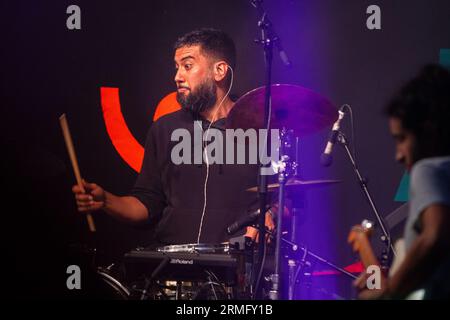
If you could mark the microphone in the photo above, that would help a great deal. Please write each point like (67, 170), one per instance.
(243, 222)
(283, 56)
(326, 158)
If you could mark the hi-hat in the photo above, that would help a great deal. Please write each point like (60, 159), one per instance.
(298, 184)
(293, 107)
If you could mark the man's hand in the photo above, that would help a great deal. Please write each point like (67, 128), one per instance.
(253, 232)
(92, 199)
(269, 222)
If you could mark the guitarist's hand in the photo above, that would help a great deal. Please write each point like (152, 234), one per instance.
(365, 293)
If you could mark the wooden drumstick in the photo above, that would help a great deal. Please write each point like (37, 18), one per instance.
(73, 159)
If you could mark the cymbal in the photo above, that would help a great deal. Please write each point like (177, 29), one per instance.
(298, 184)
(293, 107)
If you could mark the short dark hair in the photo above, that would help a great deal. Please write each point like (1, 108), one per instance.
(213, 42)
(423, 108)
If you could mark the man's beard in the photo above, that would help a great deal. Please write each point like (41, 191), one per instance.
(202, 99)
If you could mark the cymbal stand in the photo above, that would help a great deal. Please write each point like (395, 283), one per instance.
(296, 208)
(267, 40)
(284, 167)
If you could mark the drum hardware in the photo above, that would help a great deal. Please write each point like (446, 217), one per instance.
(149, 281)
(298, 204)
(277, 106)
(247, 247)
(289, 103)
(284, 170)
(308, 253)
(301, 266)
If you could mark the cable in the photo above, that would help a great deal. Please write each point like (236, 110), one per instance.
(206, 155)
(349, 108)
(263, 262)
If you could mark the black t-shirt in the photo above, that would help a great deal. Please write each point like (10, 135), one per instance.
(174, 194)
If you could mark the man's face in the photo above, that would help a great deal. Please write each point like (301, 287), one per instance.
(196, 88)
(405, 142)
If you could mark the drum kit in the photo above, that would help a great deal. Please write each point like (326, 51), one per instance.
(228, 270)
(236, 270)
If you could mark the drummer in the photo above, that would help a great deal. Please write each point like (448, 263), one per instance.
(190, 203)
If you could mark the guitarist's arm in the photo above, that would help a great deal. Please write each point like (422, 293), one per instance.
(425, 253)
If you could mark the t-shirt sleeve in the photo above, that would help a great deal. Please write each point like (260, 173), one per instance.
(148, 187)
(430, 186)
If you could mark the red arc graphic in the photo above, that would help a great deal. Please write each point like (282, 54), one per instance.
(131, 151)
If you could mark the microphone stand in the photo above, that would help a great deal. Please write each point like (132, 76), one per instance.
(386, 237)
(267, 40)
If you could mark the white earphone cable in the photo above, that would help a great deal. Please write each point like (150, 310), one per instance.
(206, 156)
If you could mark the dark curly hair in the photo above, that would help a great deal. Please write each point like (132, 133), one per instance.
(213, 42)
(423, 108)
